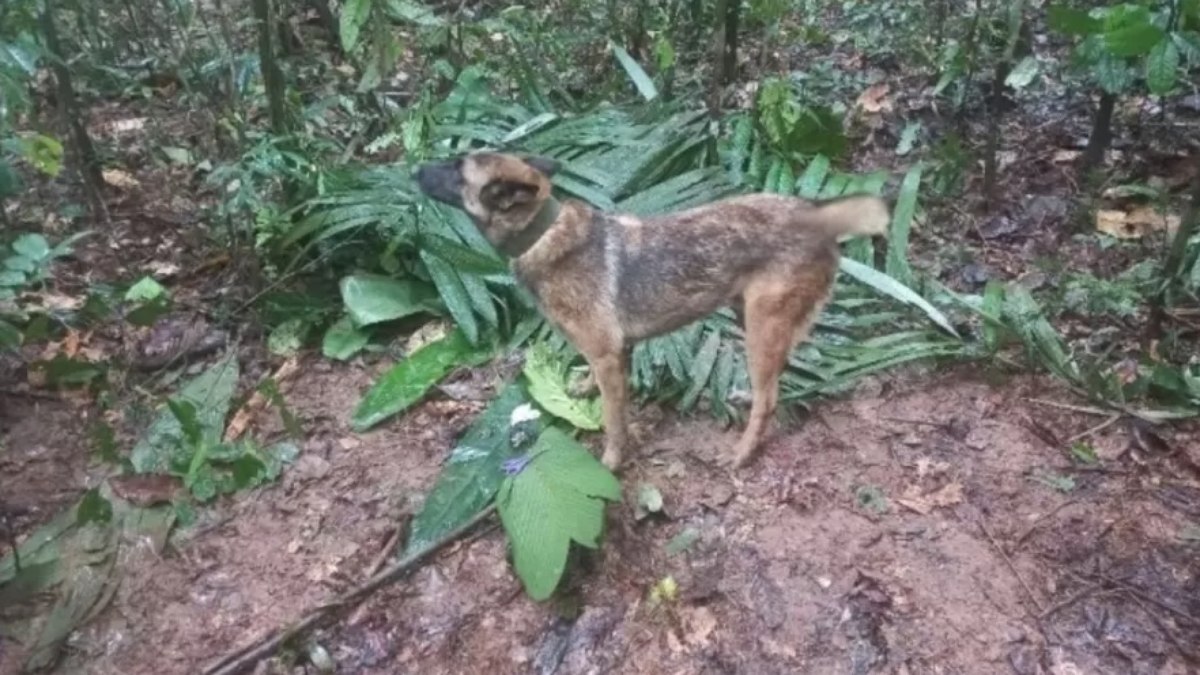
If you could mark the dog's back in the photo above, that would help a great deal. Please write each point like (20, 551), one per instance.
(670, 270)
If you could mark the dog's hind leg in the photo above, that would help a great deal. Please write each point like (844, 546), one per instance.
(780, 310)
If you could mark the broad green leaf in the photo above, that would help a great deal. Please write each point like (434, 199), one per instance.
(1023, 74)
(1133, 39)
(471, 475)
(32, 246)
(902, 220)
(10, 181)
(210, 394)
(546, 379)
(414, 12)
(354, 16)
(144, 290)
(371, 299)
(556, 499)
(641, 80)
(408, 381)
(43, 152)
(93, 508)
(1162, 66)
(1113, 74)
(886, 285)
(343, 340)
(1071, 21)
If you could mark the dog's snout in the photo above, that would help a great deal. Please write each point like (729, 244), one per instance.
(441, 181)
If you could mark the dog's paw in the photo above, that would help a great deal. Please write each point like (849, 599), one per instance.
(612, 460)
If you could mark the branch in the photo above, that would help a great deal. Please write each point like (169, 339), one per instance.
(244, 658)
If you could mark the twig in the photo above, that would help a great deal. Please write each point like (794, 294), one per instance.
(386, 551)
(1034, 525)
(244, 658)
(1068, 406)
(1069, 601)
(1012, 567)
(1095, 430)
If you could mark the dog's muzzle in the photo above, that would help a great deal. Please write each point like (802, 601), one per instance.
(442, 181)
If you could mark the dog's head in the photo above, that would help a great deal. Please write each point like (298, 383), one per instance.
(502, 193)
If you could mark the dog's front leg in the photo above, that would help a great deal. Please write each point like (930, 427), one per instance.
(610, 373)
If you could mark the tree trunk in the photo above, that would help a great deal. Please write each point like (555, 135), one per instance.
(1101, 136)
(272, 75)
(733, 11)
(85, 153)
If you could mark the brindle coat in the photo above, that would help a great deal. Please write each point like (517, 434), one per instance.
(610, 280)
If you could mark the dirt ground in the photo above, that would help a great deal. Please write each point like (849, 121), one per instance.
(922, 525)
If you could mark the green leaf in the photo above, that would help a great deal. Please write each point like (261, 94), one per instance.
(210, 393)
(556, 499)
(288, 337)
(886, 285)
(641, 80)
(908, 138)
(454, 294)
(1071, 21)
(189, 422)
(814, 177)
(1023, 74)
(702, 367)
(902, 219)
(546, 378)
(145, 289)
(414, 12)
(32, 246)
(343, 340)
(10, 181)
(43, 152)
(93, 508)
(1133, 39)
(10, 335)
(1162, 67)
(471, 475)
(354, 16)
(371, 299)
(408, 381)
(1113, 74)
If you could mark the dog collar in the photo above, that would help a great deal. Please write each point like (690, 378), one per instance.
(518, 244)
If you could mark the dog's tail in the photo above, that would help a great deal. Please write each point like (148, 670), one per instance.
(858, 215)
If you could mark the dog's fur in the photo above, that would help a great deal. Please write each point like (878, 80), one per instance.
(610, 280)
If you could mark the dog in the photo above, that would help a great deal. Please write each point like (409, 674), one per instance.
(608, 281)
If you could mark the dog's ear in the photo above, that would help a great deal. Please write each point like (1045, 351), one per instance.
(502, 195)
(544, 164)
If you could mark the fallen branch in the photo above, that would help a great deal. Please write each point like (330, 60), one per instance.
(246, 657)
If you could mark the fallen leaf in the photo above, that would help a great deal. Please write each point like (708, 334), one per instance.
(1134, 224)
(699, 624)
(119, 179)
(55, 302)
(160, 269)
(245, 414)
(127, 125)
(1065, 156)
(145, 489)
(874, 99)
(649, 500)
(948, 495)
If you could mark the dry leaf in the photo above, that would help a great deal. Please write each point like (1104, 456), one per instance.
(127, 125)
(1135, 224)
(145, 489)
(1065, 156)
(245, 414)
(949, 495)
(161, 269)
(874, 99)
(55, 302)
(119, 179)
(699, 624)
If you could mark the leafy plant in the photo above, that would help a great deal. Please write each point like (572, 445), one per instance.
(26, 268)
(1112, 43)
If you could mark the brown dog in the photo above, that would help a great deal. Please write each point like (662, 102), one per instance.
(608, 281)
